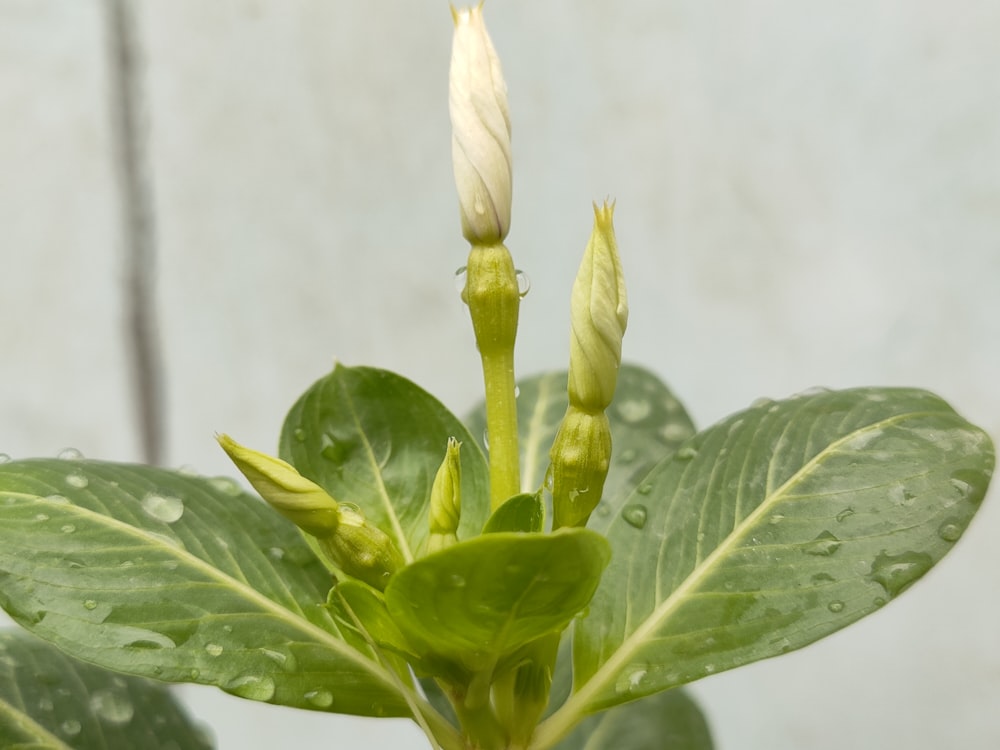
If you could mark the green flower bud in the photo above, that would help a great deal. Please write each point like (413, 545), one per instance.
(580, 457)
(343, 535)
(599, 314)
(446, 500)
(480, 143)
(361, 550)
(298, 499)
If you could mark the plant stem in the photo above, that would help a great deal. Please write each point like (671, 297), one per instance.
(491, 292)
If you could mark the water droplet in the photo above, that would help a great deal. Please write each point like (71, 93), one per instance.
(633, 410)
(213, 649)
(675, 432)
(603, 509)
(645, 489)
(686, 453)
(635, 515)
(460, 277)
(112, 706)
(456, 581)
(517, 391)
(950, 531)
(628, 456)
(57, 500)
(319, 698)
(225, 485)
(71, 727)
(523, 283)
(760, 403)
(835, 606)
(899, 495)
(41, 517)
(895, 573)
(69, 454)
(775, 519)
(46, 704)
(77, 480)
(162, 507)
(277, 657)
(486, 439)
(709, 668)
(89, 604)
(276, 553)
(67, 528)
(822, 578)
(299, 434)
(823, 545)
(252, 686)
(4, 458)
(845, 514)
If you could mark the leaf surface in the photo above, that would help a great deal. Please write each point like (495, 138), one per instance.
(479, 600)
(181, 578)
(49, 700)
(374, 439)
(774, 528)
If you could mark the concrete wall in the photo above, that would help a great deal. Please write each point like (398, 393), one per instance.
(808, 194)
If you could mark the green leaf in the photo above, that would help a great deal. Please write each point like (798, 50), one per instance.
(647, 424)
(49, 700)
(520, 513)
(373, 438)
(161, 574)
(774, 528)
(481, 599)
(669, 720)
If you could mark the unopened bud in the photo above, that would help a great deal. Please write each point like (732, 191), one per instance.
(480, 143)
(580, 457)
(599, 314)
(298, 499)
(446, 500)
(343, 535)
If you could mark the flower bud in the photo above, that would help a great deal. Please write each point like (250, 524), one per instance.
(580, 457)
(298, 499)
(599, 314)
(343, 535)
(480, 143)
(446, 500)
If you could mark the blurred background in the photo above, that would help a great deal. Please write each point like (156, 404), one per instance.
(203, 204)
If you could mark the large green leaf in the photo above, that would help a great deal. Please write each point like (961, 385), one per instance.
(160, 574)
(670, 719)
(647, 424)
(481, 599)
(49, 700)
(373, 438)
(775, 527)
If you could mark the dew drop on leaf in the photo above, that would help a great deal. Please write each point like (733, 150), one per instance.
(895, 573)
(628, 456)
(70, 727)
(645, 489)
(823, 545)
(89, 604)
(950, 531)
(67, 528)
(835, 606)
(41, 517)
(252, 686)
(162, 507)
(319, 698)
(299, 434)
(635, 515)
(112, 706)
(844, 514)
(634, 410)
(69, 454)
(213, 649)
(686, 453)
(77, 480)
(225, 485)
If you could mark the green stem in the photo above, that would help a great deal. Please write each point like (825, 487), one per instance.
(491, 292)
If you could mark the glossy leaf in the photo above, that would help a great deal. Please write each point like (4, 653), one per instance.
(666, 720)
(647, 424)
(49, 700)
(481, 599)
(373, 438)
(160, 574)
(775, 527)
(520, 513)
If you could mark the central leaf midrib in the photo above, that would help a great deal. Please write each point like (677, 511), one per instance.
(30, 726)
(609, 670)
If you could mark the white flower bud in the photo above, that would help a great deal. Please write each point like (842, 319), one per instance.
(480, 142)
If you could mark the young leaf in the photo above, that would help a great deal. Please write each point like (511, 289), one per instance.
(647, 423)
(520, 513)
(160, 574)
(49, 700)
(479, 600)
(373, 438)
(777, 526)
(670, 719)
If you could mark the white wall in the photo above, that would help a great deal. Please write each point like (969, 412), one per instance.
(807, 194)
